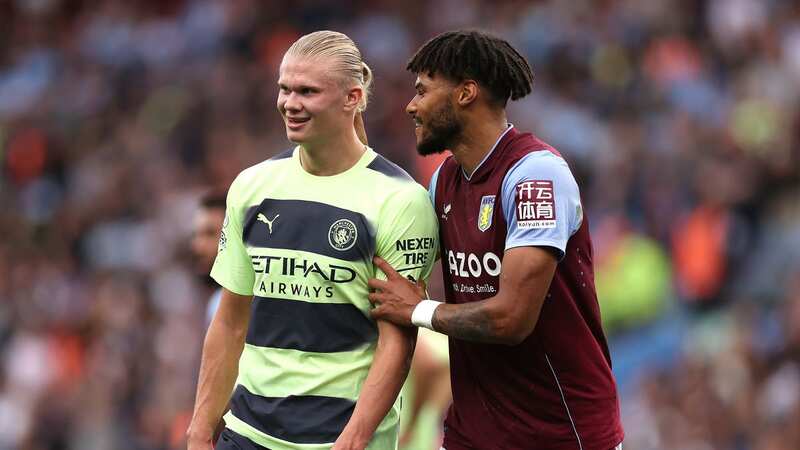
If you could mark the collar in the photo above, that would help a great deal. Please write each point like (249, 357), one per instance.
(488, 154)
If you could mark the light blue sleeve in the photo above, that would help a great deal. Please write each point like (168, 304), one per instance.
(432, 185)
(541, 202)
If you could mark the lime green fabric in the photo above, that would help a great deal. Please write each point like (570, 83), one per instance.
(402, 229)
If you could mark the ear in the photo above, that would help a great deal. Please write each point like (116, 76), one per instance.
(353, 98)
(466, 92)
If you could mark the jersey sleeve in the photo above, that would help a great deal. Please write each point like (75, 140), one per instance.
(432, 185)
(232, 268)
(407, 236)
(541, 202)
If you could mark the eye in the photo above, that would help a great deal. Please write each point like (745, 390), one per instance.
(307, 91)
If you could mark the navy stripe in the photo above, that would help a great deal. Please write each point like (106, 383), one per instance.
(302, 419)
(310, 327)
(388, 168)
(230, 440)
(311, 227)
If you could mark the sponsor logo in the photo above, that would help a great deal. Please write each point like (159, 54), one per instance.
(485, 212)
(415, 250)
(423, 243)
(467, 265)
(445, 211)
(263, 218)
(536, 204)
(223, 241)
(342, 234)
(300, 267)
(447, 208)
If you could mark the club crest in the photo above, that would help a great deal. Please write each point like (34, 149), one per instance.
(486, 212)
(342, 234)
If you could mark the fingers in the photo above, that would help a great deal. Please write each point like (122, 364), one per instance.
(375, 283)
(378, 312)
(378, 297)
(386, 268)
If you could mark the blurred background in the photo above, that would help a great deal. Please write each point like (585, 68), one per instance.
(678, 117)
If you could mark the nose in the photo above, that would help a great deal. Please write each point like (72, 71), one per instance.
(411, 108)
(291, 102)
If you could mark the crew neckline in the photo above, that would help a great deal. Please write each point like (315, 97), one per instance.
(363, 161)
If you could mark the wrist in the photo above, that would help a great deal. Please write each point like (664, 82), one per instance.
(200, 433)
(355, 436)
(422, 315)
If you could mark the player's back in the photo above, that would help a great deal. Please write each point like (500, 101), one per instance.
(555, 390)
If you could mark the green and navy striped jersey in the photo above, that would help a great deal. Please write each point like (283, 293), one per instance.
(302, 246)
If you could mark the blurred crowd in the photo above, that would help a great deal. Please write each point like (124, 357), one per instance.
(680, 119)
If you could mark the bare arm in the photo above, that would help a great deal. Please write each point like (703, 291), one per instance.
(507, 318)
(385, 378)
(219, 366)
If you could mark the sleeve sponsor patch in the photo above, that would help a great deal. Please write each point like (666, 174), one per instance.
(223, 241)
(536, 204)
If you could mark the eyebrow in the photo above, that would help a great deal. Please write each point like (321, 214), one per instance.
(299, 86)
(418, 84)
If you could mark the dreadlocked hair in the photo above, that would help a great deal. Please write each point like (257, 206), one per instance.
(471, 54)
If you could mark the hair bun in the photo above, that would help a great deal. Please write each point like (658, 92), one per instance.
(367, 73)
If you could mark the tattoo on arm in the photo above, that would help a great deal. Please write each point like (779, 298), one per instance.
(468, 321)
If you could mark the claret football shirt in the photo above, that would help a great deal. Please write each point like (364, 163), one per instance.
(302, 246)
(555, 390)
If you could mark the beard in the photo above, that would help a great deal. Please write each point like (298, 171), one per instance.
(443, 130)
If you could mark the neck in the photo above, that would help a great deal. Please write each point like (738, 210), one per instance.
(332, 157)
(476, 142)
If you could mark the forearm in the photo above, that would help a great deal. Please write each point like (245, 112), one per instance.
(218, 370)
(475, 321)
(489, 321)
(507, 318)
(389, 370)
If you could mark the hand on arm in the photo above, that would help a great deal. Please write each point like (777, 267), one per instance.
(396, 297)
(507, 318)
(219, 367)
(385, 378)
(409, 221)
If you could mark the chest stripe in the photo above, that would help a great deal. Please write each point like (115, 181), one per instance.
(307, 326)
(302, 419)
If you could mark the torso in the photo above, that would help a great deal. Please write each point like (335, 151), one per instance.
(308, 242)
(518, 397)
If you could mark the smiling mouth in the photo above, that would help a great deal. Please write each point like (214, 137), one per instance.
(294, 123)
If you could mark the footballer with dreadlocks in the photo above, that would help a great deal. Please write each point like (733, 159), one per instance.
(530, 366)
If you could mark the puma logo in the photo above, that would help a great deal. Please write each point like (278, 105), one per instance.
(263, 218)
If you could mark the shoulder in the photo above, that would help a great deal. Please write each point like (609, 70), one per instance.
(393, 181)
(539, 163)
(381, 165)
(448, 166)
(251, 175)
(396, 192)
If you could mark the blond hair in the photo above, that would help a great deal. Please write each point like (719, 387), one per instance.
(345, 55)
